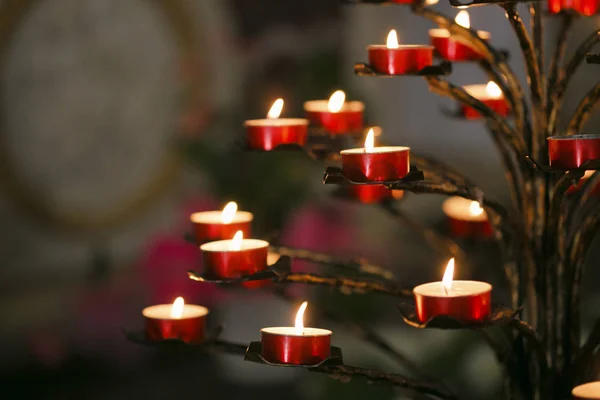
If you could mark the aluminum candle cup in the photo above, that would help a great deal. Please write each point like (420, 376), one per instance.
(286, 345)
(490, 95)
(221, 262)
(209, 225)
(266, 134)
(453, 49)
(584, 7)
(466, 218)
(587, 391)
(348, 119)
(161, 325)
(571, 152)
(405, 59)
(466, 301)
(379, 164)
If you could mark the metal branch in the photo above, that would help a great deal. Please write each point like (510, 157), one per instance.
(357, 264)
(557, 58)
(346, 372)
(585, 355)
(557, 93)
(584, 110)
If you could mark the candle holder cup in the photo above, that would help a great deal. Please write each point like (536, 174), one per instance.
(335, 175)
(547, 169)
(442, 69)
(255, 354)
(280, 267)
(499, 316)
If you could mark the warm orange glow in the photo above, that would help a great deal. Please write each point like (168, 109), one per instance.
(475, 209)
(228, 213)
(448, 276)
(275, 110)
(336, 101)
(462, 19)
(392, 40)
(177, 309)
(370, 141)
(493, 90)
(299, 325)
(236, 242)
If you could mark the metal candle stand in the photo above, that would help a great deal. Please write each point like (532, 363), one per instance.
(499, 316)
(593, 58)
(335, 176)
(588, 165)
(443, 69)
(254, 354)
(280, 268)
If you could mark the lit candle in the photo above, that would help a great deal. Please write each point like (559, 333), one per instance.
(175, 321)
(467, 301)
(225, 259)
(375, 164)
(570, 152)
(266, 134)
(467, 218)
(587, 391)
(452, 48)
(584, 7)
(395, 59)
(336, 115)
(489, 94)
(218, 225)
(296, 345)
(584, 178)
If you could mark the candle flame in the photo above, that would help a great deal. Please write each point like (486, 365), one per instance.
(448, 275)
(392, 40)
(493, 90)
(236, 242)
(336, 101)
(370, 141)
(275, 110)
(462, 19)
(229, 212)
(299, 325)
(475, 209)
(177, 309)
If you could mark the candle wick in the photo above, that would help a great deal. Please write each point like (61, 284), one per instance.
(446, 290)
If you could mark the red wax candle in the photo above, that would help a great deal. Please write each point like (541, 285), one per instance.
(466, 301)
(219, 225)
(296, 345)
(336, 115)
(266, 134)
(375, 164)
(234, 258)
(175, 321)
(584, 7)
(453, 49)
(467, 218)
(587, 391)
(570, 152)
(491, 95)
(394, 59)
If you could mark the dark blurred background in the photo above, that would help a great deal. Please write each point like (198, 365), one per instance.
(121, 117)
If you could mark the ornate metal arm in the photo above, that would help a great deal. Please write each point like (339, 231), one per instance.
(584, 110)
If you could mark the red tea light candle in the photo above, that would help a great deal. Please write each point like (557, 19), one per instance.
(395, 59)
(375, 164)
(587, 391)
(467, 218)
(219, 225)
(489, 94)
(466, 301)
(266, 134)
(453, 49)
(336, 115)
(175, 321)
(234, 258)
(584, 7)
(296, 345)
(571, 152)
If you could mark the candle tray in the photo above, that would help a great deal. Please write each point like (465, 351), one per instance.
(593, 58)
(281, 267)
(335, 176)
(499, 316)
(139, 337)
(444, 68)
(588, 165)
(477, 3)
(254, 354)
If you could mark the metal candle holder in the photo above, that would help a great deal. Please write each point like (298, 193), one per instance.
(442, 69)
(254, 354)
